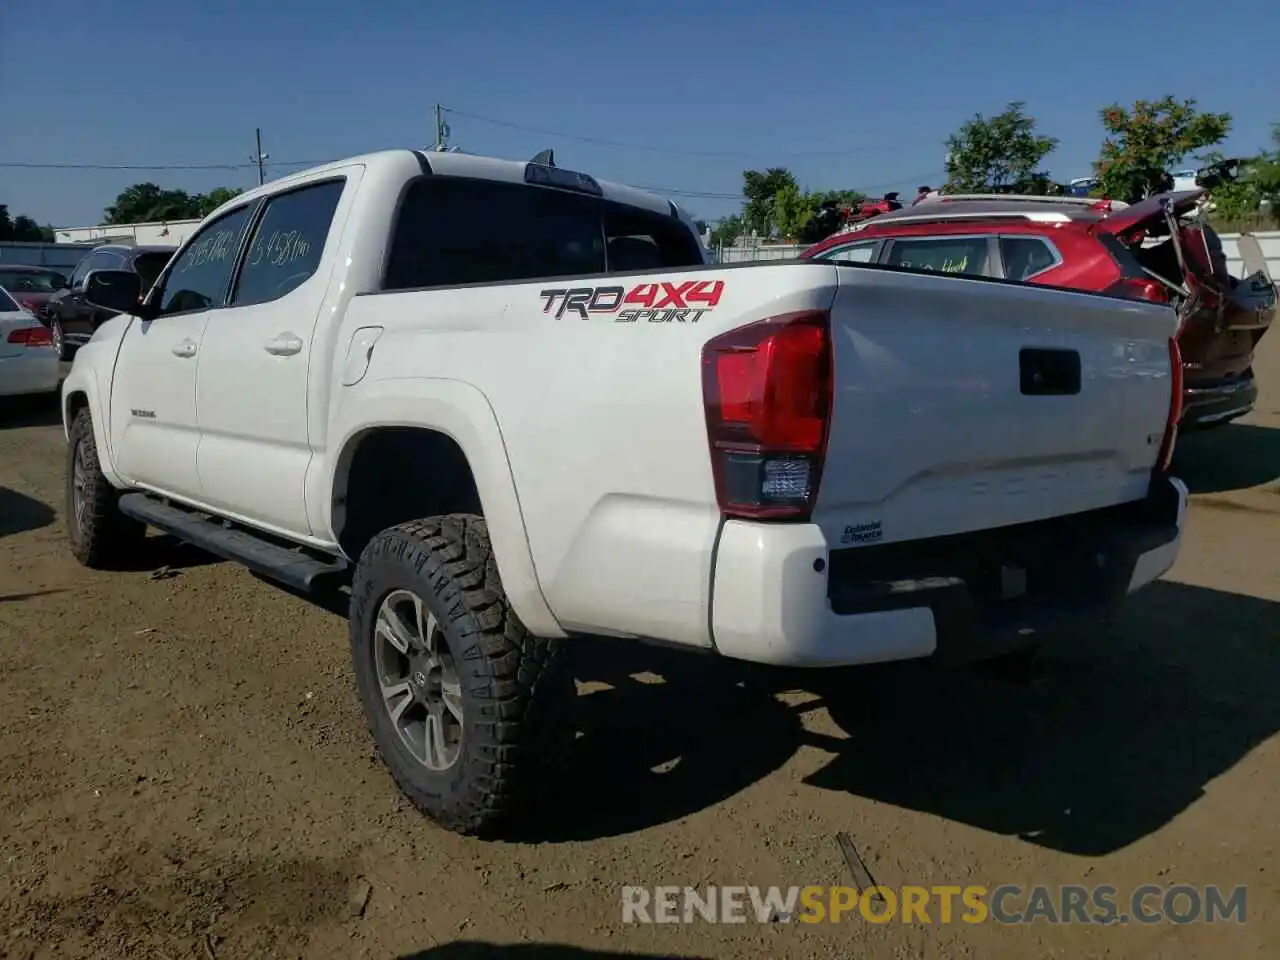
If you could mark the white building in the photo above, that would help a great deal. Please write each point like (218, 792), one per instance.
(164, 232)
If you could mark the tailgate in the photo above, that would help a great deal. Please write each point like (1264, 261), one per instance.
(1228, 315)
(963, 404)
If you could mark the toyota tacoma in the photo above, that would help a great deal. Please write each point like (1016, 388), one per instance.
(511, 406)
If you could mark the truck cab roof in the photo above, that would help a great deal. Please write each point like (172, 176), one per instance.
(462, 165)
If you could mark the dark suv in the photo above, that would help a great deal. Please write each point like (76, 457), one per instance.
(1154, 250)
(71, 318)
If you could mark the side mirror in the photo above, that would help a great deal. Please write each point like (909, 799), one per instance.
(116, 290)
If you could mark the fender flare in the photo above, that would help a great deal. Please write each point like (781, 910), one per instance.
(462, 412)
(86, 385)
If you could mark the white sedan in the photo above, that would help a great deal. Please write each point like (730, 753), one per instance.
(28, 361)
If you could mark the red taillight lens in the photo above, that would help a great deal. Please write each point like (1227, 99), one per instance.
(767, 392)
(32, 337)
(1140, 288)
(1175, 407)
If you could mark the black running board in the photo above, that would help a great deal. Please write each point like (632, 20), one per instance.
(284, 564)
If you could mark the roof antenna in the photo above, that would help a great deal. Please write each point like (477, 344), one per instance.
(544, 158)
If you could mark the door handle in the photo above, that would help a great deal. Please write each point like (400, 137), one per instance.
(185, 349)
(283, 345)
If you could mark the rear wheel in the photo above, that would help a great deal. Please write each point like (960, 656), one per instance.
(59, 338)
(101, 536)
(467, 708)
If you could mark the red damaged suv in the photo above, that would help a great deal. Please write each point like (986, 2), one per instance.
(1151, 250)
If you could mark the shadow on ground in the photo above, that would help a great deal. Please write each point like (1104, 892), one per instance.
(1232, 457)
(471, 950)
(1112, 735)
(39, 411)
(164, 555)
(20, 513)
(28, 595)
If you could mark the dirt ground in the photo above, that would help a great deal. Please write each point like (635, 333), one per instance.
(184, 771)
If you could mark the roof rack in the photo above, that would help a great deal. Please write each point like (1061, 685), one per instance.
(1021, 198)
(942, 216)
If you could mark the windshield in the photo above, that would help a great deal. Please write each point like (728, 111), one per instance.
(32, 281)
(7, 304)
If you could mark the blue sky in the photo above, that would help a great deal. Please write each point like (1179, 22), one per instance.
(846, 94)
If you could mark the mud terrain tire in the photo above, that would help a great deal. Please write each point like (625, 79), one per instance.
(514, 689)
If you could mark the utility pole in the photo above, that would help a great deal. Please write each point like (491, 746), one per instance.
(260, 158)
(442, 130)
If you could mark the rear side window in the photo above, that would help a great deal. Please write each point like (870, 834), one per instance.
(7, 304)
(963, 255)
(287, 245)
(863, 252)
(453, 231)
(1024, 257)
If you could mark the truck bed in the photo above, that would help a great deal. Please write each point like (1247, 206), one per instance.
(600, 412)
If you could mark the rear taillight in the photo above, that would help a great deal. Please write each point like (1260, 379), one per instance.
(1175, 407)
(767, 392)
(1140, 288)
(31, 337)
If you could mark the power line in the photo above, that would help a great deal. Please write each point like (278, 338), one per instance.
(122, 166)
(601, 141)
(261, 163)
(22, 165)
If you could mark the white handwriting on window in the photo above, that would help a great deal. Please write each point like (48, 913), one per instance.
(283, 247)
(212, 248)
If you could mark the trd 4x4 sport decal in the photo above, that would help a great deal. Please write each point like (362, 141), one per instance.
(661, 302)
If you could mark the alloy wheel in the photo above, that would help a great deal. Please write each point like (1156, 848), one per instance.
(418, 679)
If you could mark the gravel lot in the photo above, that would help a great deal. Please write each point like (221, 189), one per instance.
(184, 771)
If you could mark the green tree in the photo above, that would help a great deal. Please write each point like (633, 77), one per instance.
(148, 202)
(22, 228)
(1258, 183)
(759, 188)
(206, 203)
(996, 153)
(1144, 141)
(726, 231)
(793, 208)
(847, 198)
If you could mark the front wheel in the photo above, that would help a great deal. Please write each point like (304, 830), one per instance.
(101, 536)
(467, 708)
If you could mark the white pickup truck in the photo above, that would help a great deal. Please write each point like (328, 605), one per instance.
(513, 405)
